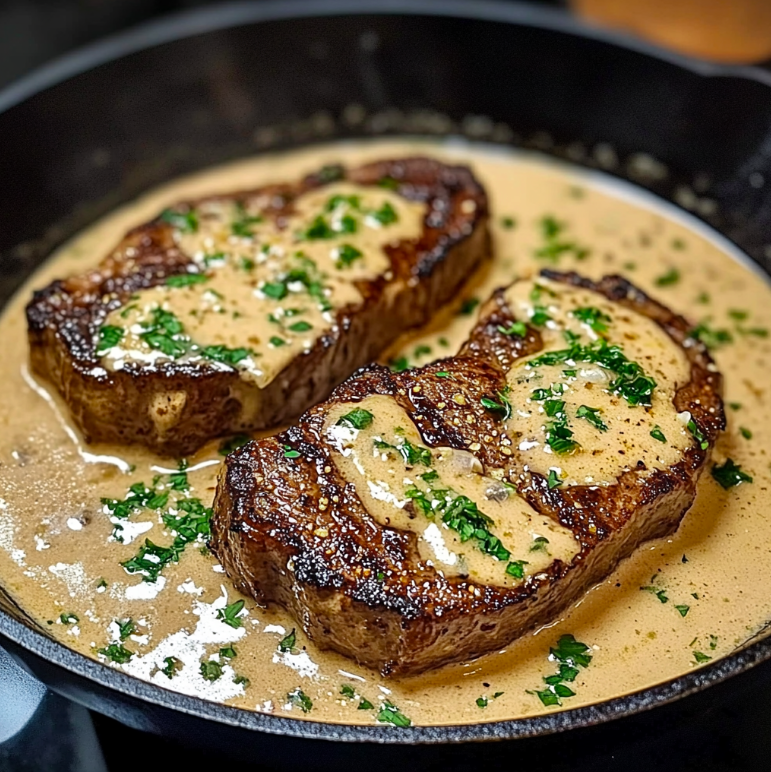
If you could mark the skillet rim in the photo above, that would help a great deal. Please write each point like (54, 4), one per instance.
(218, 17)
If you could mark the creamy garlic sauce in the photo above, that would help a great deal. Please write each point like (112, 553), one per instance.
(394, 473)
(260, 294)
(706, 586)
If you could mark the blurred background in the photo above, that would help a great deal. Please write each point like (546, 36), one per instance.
(34, 31)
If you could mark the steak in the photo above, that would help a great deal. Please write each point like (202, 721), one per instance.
(172, 393)
(537, 493)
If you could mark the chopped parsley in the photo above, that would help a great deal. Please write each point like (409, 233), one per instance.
(468, 306)
(518, 329)
(682, 609)
(730, 474)
(109, 337)
(211, 670)
(276, 342)
(483, 702)
(69, 619)
(170, 666)
(235, 442)
(347, 255)
(186, 279)
(672, 276)
(165, 333)
(710, 337)
(516, 568)
(398, 365)
(390, 714)
(631, 382)
(117, 652)
(572, 656)
(356, 419)
(228, 652)
(300, 699)
(539, 544)
(508, 223)
(243, 222)
(230, 614)
(225, 355)
(657, 434)
(289, 452)
(698, 435)
(276, 290)
(502, 408)
(287, 643)
(555, 245)
(553, 481)
(745, 432)
(593, 317)
(300, 326)
(139, 497)
(540, 316)
(700, 657)
(592, 415)
(125, 628)
(385, 215)
(187, 222)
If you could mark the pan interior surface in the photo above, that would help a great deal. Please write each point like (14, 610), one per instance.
(64, 569)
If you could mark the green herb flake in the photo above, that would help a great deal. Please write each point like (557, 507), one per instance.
(672, 276)
(186, 280)
(109, 337)
(508, 223)
(657, 434)
(230, 614)
(745, 432)
(117, 652)
(682, 609)
(592, 416)
(540, 544)
(235, 442)
(730, 474)
(69, 619)
(700, 657)
(125, 628)
(593, 317)
(356, 419)
(276, 290)
(300, 699)
(540, 316)
(211, 670)
(553, 481)
(698, 435)
(347, 255)
(399, 365)
(300, 326)
(225, 355)
(390, 714)
(228, 652)
(347, 691)
(468, 306)
(289, 452)
(659, 592)
(287, 643)
(712, 338)
(518, 329)
(187, 222)
(171, 665)
(385, 215)
(516, 568)
(365, 704)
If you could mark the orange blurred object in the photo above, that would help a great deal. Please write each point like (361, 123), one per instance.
(736, 31)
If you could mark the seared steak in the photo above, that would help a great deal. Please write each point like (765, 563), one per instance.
(235, 313)
(429, 516)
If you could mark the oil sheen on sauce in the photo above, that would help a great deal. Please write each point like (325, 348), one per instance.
(677, 603)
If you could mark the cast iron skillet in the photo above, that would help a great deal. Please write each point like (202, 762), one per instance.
(100, 126)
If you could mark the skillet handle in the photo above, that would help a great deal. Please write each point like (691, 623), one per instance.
(41, 731)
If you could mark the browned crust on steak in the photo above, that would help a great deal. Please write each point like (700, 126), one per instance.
(64, 317)
(359, 587)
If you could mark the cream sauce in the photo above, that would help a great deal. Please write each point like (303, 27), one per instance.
(261, 294)
(58, 554)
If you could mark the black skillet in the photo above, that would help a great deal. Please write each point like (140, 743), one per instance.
(102, 125)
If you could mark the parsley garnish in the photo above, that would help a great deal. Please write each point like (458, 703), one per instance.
(540, 316)
(165, 333)
(347, 254)
(109, 337)
(211, 670)
(468, 306)
(553, 480)
(117, 652)
(398, 365)
(508, 223)
(518, 329)
(235, 442)
(539, 544)
(672, 276)
(711, 338)
(289, 452)
(187, 222)
(700, 658)
(241, 226)
(228, 356)
(356, 419)
(730, 474)
(592, 415)
(286, 644)
(657, 434)
(186, 279)
(300, 326)
(555, 246)
(276, 342)
(631, 382)
(682, 609)
(69, 619)
(228, 652)
(170, 666)
(385, 215)
(516, 568)
(571, 655)
(593, 317)
(125, 628)
(698, 435)
(502, 408)
(745, 432)
(230, 614)
(300, 699)
(276, 290)
(390, 714)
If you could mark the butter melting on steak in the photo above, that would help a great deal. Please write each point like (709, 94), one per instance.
(433, 515)
(236, 313)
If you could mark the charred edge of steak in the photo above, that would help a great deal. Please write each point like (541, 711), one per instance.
(334, 562)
